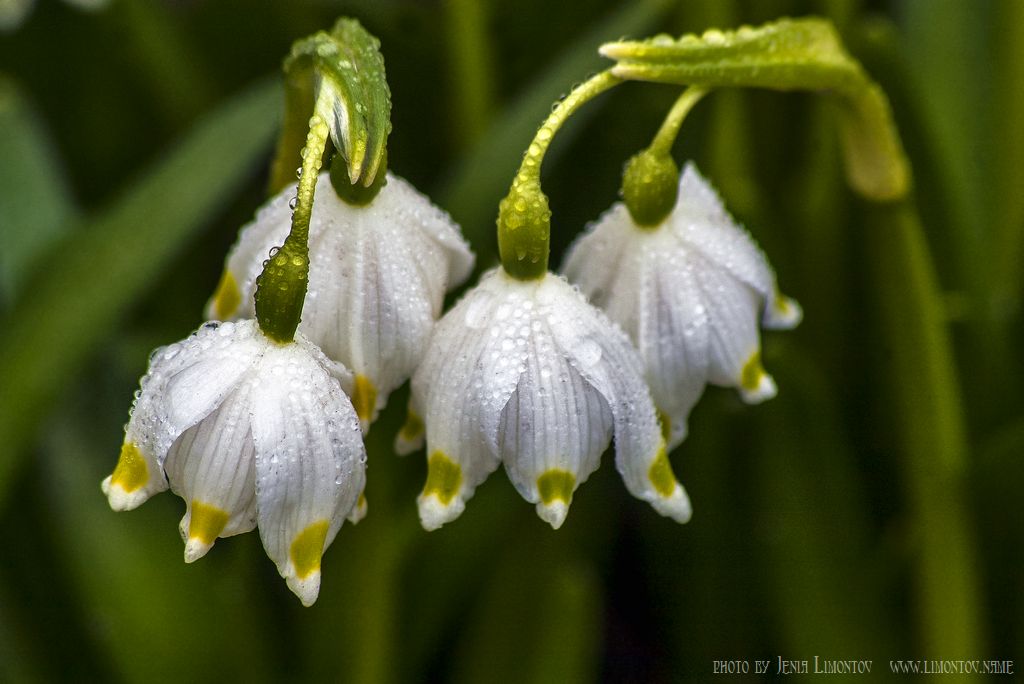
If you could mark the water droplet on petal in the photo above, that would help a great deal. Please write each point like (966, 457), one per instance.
(588, 353)
(477, 309)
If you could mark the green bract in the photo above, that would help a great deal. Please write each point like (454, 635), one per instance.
(348, 61)
(335, 85)
(789, 54)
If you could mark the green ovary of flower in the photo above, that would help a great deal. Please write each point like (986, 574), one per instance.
(524, 230)
(650, 186)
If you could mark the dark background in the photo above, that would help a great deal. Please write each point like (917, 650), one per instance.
(871, 511)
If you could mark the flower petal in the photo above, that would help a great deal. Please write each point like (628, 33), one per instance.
(310, 463)
(595, 259)
(186, 381)
(702, 222)
(639, 278)
(470, 370)
(377, 280)
(368, 304)
(554, 429)
(673, 336)
(412, 434)
(245, 259)
(136, 477)
(211, 466)
(734, 349)
(603, 356)
(414, 209)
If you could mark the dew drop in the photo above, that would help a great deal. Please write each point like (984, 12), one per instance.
(588, 353)
(477, 308)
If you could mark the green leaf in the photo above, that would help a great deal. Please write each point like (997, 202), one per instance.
(155, 618)
(348, 61)
(789, 54)
(358, 615)
(35, 201)
(809, 495)
(538, 619)
(15, 663)
(83, 287)
(1006, 166)
(932, 433)
(471, 61)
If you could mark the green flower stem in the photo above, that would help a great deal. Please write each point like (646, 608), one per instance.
(298, 108)
(524, 219)
(669, 131)
(281, 287)
(355, 194)
(650, 182)
(481, 177)
(930, 416)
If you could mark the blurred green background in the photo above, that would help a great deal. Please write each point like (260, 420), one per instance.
(871, 511)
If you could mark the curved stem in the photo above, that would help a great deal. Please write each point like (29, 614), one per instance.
(650, 182)
(524, 219)
(581, 94)
(281, 287)
(312, 160)
(666, 136)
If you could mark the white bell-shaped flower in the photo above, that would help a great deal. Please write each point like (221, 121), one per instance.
(528, 374)
(690, 292)
(247, 431)
(377, 279)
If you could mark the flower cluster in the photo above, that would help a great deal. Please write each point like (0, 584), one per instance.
(250, 431)
(377, 278)
(258, 421)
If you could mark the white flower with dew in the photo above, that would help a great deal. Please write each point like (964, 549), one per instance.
(377, 279)
(248, 432)
(690, 292)
(527, 373)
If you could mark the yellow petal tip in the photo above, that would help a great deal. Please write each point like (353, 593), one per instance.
(364, 399)
(661, 476)
(444, 478)
(307, 548)
(131, 472)
(206, 522)
(755, 384)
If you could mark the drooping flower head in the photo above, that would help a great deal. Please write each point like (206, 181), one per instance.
(249, 432)
(527, 373)
(691, 291)
(377, 278)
